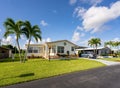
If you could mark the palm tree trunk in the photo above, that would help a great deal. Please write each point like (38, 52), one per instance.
(19, 50)
(94, 49)
(96, 52)
(27, 49)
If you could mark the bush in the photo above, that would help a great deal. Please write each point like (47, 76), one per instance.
(62, 55)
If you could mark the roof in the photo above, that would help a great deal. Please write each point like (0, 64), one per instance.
(5, 48)
(92, 48)
(35, 44)
(61, 41)
(76, 46)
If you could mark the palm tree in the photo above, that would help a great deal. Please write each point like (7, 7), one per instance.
(116, 44)
(94, 42)
(13, 27)
(31, 31)
(110, 43)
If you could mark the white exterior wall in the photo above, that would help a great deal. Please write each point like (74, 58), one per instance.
(67, 47)
(46, 46)
(37, 54)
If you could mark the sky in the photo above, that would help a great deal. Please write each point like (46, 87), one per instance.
(73, 20)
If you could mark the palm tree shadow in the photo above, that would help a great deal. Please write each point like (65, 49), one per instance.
(22, 75)
(26, 75)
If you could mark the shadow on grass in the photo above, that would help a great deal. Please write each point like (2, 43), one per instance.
(26, 75)
(22, 75)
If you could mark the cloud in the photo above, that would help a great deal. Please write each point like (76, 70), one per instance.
(79, 28)
(22, 37)
(76, 36)
(79, 11)
(85, 42)
(95, 18)
(72, 2)
(43, 23)
(0, 30)
(48, 40)
(92, 2)
(116, 39)
(8, 40)
(39, 41)
(45, 40)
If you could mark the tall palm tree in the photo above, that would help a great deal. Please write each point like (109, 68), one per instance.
(116, 44)
(31, 31)
(110, 43)
(13, 27)
(94, 42)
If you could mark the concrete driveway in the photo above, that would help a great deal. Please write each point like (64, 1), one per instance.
(105, 77)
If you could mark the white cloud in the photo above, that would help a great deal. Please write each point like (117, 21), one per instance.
(79, 28)
(116, 39)
(80, 11)
(48, 40)
(76, 36)
(85, 42)
(39, 41)
(43, 23)
(8, 40)
(95, 17)
(0, 30)
(22, 37)
(44, 40)
(72, 2)
(92, 2)
(31, 42)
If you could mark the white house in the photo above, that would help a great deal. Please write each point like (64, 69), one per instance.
(52, 49)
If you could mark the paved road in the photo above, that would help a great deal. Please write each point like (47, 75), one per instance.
(106, 77)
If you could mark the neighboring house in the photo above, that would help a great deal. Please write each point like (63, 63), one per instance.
(52, 49)
(5, 52)
(89, 51)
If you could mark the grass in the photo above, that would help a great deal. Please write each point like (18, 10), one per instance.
(16, 72)
(112, 59)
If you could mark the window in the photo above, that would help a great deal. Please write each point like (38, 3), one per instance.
(72, 48)
(30, 49)
(53, 49)
(34, 49)
(60, 49)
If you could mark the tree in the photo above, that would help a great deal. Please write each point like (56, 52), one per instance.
(116, 44)
(13, 27)
(13, 48)
(31, 32)
(110, 43)
(94, 42)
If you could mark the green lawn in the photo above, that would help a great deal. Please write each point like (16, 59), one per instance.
(16, 72)
(112, 59)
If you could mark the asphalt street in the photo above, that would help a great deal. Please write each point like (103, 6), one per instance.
(105, 77)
